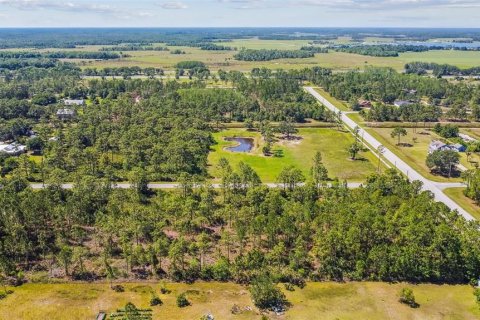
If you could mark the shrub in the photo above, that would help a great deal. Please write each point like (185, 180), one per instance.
(407, 297)
(155, 301)
(164, 290)
(118, 288)
(182, 300)
(266, 295)
(289, 287)
(477, 294)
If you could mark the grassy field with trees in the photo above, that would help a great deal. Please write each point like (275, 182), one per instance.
(332, 144)
(325, 300)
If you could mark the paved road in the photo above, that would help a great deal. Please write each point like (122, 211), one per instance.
(403, 167)
(167, 186)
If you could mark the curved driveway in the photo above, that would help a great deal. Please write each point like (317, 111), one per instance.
(403, 167)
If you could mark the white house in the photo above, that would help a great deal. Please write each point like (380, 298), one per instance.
(66, 114)
(437, 145)
(402, 103)
(74, 102)
(12, 149)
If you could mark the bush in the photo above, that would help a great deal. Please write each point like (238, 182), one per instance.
(182, 300)
(289, 287)
(155, 301)
(164, 290)
(407, 297)
(266, 295)
(118, 288)
(477, 294)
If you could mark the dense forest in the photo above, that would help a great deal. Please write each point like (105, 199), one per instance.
(382, 50)
(383, 86)
(388, 230)
(390, 50)
(59, 55)
(440, 70)
(71, 38)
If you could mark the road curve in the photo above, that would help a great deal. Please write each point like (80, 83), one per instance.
(394, 159)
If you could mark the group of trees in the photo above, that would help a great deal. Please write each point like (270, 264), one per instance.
(239, 232)
(123, 72)
(439, 70)
(59, 55)
(383, 86)
(134, 47)
(383, 50)
(273, 54)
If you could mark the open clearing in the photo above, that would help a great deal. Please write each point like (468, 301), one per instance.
(457, 195)
(333, 145)
(224, 59)
(326, 300)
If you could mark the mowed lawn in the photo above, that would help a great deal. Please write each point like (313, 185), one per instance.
(416, 155)
(326, 301)
(466, 203)
(332, 144)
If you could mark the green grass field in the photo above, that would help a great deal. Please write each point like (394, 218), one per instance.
(457, 195)
(224, 59)
(331, 143)
(416, 155)
(326, 301)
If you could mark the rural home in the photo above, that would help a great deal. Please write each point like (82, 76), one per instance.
(66, 114)
(365, 104)
(73, 102)
(12, 149)
(402, 103)
(437, 145)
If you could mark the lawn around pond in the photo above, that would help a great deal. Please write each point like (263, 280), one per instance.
(333, 145)
(319, 300)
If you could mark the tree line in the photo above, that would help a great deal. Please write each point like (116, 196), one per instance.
(388, 230)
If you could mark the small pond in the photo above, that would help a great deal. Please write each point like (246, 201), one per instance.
(242, 144)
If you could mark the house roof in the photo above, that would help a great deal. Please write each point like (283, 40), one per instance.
(12, 148)
(65, 112)
(437, 144)
(401, 103)
(74, 101)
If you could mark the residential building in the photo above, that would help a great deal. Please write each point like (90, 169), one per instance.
(402, 103)
(74, 102)
(437, 145)
(12, 149)
(66, 114)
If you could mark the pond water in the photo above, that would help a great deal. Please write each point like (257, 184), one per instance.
(243, 144)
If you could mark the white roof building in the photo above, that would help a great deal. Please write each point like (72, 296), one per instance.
(74, 102)
(12, 148)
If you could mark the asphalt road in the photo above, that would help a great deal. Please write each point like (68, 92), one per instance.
(412, 174)
(166, 186)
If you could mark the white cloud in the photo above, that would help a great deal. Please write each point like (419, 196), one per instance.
(386, 4)
(173, 5)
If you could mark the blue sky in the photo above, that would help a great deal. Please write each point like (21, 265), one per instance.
(238, 13)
